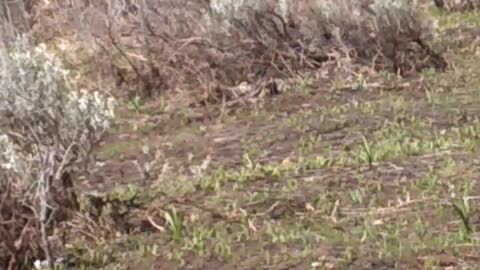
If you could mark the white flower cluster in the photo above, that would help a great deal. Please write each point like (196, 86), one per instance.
(236, 9)
(92, 108)
(231, 8)
(10, 159)
(223, 12)
(395, 4)
(15, 164)
(38, 91)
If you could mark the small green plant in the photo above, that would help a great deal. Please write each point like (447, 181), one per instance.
(222, 248)
(421, 228)
(368, 154)
(146, 249)
(360, 84)
(135, 104)
(308, 143)
(357, 195)
(198, 240)
(349, 255)
(250, 163)
(175, 224)
(462, 208)
(429, 95)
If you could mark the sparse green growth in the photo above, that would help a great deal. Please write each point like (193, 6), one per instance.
(348, 167)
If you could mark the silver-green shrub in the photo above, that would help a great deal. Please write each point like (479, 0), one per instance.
(40, 101)
(48, 129)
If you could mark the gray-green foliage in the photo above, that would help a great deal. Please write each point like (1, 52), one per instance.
(44, 108)
(49, 127)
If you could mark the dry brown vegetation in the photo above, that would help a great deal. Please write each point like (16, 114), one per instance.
(150, 50)
(154, 46)
(458, 6)
(22, 242)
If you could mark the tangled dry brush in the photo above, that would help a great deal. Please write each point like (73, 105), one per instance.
(214, 46)
(458, 5)
(209, 47)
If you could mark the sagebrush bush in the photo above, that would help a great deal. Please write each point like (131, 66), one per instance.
(49, 129)
(38, 92)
